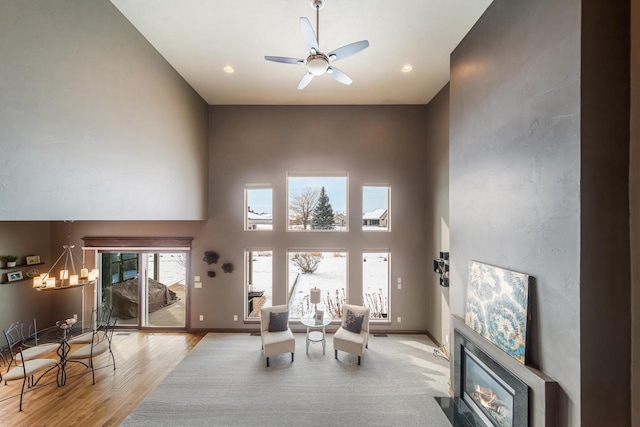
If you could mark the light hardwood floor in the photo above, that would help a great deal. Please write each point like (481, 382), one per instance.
(143, 360)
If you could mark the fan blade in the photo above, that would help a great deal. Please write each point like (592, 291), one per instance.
(306, 79)
(309, 35)
(348, 50)
(284, 59)
(339, 76)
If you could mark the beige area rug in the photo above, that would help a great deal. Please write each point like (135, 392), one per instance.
(224, 382)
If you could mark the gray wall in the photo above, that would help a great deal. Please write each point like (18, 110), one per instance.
(634, 198)
(437, 181)
(526, 171)
(18, 300)
(93, 121)
(379, 144)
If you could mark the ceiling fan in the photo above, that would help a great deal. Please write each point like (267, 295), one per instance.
(318, 63)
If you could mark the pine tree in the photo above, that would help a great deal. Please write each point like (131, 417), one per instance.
(323, 213)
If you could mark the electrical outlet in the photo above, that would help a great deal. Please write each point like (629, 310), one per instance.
(399, 319)
(399, 280)
(235, 317)
(399, 285)
(202, 317)
(446, 338)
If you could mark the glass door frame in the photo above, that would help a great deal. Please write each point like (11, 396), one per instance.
(95, 246)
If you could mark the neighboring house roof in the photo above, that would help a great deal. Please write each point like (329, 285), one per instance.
(255, 216)
(376, 214)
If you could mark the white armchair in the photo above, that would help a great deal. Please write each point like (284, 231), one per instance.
(353, 335)
(275, 334)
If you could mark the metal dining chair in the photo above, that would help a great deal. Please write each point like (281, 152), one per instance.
(100, 344)
(100, 318)
(28, 369)
(17, 334)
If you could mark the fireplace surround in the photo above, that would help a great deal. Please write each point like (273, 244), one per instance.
(507, 385)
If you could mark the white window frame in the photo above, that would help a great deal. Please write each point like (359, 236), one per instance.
(382, 230)
(247, 251)
(247, 188)
(330, 251)
(340, 174)
(387, 252)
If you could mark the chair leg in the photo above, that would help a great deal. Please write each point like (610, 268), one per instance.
(267, 362)
(114, 359)
(336, 354)
(22, 393)
(358, 360)
(292, 356)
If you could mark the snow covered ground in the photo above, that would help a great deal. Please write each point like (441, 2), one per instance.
(330, 277)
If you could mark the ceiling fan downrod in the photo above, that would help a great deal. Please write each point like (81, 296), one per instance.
(317, 5)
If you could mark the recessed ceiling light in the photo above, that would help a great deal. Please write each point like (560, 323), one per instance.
(228, 69)
(406, 68)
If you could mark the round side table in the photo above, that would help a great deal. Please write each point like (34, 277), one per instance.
(316, 336)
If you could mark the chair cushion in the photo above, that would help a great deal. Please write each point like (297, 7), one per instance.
(32, 367)
(278, 342)
(353, 322)
(278, 321)
(37, 351)
(85, 352)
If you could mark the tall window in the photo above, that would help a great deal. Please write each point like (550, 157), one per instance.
(258, 207)
(317, 203)
(324, 270)
(259, 280)
(375, 283)
(375, 206)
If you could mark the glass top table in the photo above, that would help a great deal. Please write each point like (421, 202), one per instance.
(315, 336)
(59, 333)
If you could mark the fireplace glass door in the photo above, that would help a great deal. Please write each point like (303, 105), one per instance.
(490, 397)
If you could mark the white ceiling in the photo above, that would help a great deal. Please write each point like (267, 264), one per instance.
(199, 37)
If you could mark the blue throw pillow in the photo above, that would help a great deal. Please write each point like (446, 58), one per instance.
(278, 321)
(353, 322)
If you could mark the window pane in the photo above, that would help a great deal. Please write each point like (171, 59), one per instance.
(324, 270)
(259, 274)
(317, 203)
(375, 204)
(259, 203)
(375, 283)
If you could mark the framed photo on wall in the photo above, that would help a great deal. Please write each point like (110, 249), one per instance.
(33, 259)
(16, 275)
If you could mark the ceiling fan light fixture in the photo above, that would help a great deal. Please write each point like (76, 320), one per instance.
(407, 68)
(228, 69)
(317, 64)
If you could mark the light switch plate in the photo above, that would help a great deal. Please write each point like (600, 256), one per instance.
(196, 278)
(197, 284)
(202, 317)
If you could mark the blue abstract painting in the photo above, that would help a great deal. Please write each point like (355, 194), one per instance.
(497, 302)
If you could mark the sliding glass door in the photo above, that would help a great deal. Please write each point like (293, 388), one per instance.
(145, 289)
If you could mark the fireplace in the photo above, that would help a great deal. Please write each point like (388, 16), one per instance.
(493, 393)
(491, 388)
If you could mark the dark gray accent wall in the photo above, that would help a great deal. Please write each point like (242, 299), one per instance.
(437, 181)
(634, 200)
(605, 316)
(538, 185)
